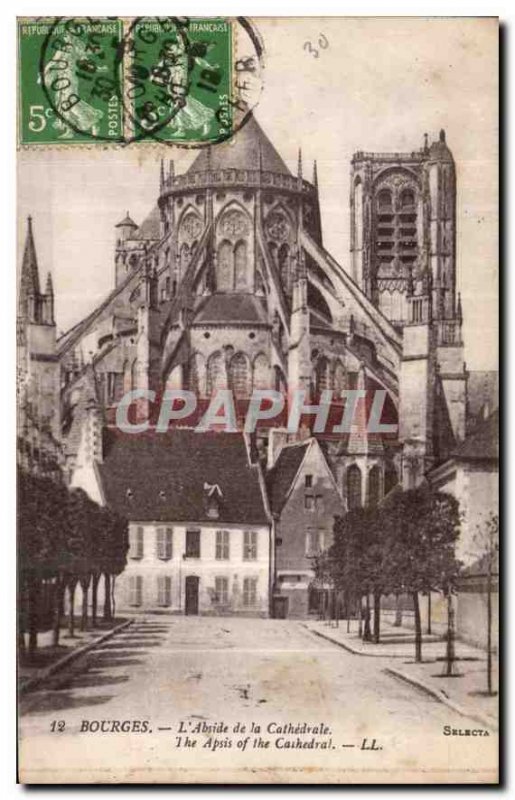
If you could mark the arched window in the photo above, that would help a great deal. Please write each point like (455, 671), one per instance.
(339, 378)
(358, 216)
(185, 258)
(283, 263)
(354, 499)
(134, 374)
(239, 375)
(197, 375)
(224, 267)
(322, 378)
(407, 198)
(384, 199)
(215, 373)
(127, 382)
(241, 282)
(261, 372)
(374, 486)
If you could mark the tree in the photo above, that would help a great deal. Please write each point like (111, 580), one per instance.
(486, 543)
(41, 534)
(420, 528)
(354, 560)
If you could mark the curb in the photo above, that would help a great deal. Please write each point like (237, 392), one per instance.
(69, 657)
(350, 648)
(440, 697)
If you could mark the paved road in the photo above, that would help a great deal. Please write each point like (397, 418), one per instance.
(165, 676)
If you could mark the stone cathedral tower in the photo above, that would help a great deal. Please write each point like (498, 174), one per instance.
(403, 256)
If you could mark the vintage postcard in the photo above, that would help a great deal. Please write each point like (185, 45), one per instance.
(257, 375)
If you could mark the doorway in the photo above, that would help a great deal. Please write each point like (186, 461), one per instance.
(191, 595)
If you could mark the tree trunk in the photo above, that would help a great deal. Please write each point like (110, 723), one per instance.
(377, 617)
(398, 611)
(418, 628)
(367, 634)
(489, 629)
(59, 597)
(33, 602)
(450, 634)
(71, 597)
(84, 583)
(113, 601)
(108, 614)
(429, 612)
(94, 599)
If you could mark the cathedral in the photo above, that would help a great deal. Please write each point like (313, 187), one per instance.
(227, 283)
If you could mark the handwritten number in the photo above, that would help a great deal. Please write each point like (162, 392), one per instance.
(323, 44)
(309, 47)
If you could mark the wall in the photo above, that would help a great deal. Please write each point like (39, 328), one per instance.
(207, 567)
(294, 568)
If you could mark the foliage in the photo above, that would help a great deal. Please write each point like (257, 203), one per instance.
(62, 536)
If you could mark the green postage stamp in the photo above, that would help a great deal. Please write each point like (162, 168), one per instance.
(166, 79)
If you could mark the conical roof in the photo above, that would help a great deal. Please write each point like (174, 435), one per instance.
(242, 152)
(29, 281)
(126, 221)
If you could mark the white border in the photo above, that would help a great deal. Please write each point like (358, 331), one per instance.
(259, 8)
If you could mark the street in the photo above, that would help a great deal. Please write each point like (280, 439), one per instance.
(165, 680)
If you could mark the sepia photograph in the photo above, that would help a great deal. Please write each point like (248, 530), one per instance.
(257, 397)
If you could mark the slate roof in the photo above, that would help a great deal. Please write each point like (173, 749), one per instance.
(231, 308)
(127, 220)
(166, 473)
(242, 152)
(483, 442)
(150, 228)
(482, 390)
(282, 474)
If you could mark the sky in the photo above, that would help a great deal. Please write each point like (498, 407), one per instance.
(379, 85)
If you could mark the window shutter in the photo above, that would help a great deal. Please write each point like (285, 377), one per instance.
(164, 590)
(135, 590)
(139, 542)
(159, 543)
(169, 543)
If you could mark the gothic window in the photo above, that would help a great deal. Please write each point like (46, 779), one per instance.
(322, 379)
(134, 374)
(283, 263)
(261, 372)
(191, 227)
(384, 199)
(354, 499)
(224, 267)
(339, 378)
(197, 374)
(239, 375)
(358, 215)
(185, 257)
(277, 226)
(374, 486)
(114, 387)
(127, 377)
(215, 373)
(234, 224)
(407, 198)
(241, 283)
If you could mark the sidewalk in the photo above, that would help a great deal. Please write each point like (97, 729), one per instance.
(465, 694)
(49, 659)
